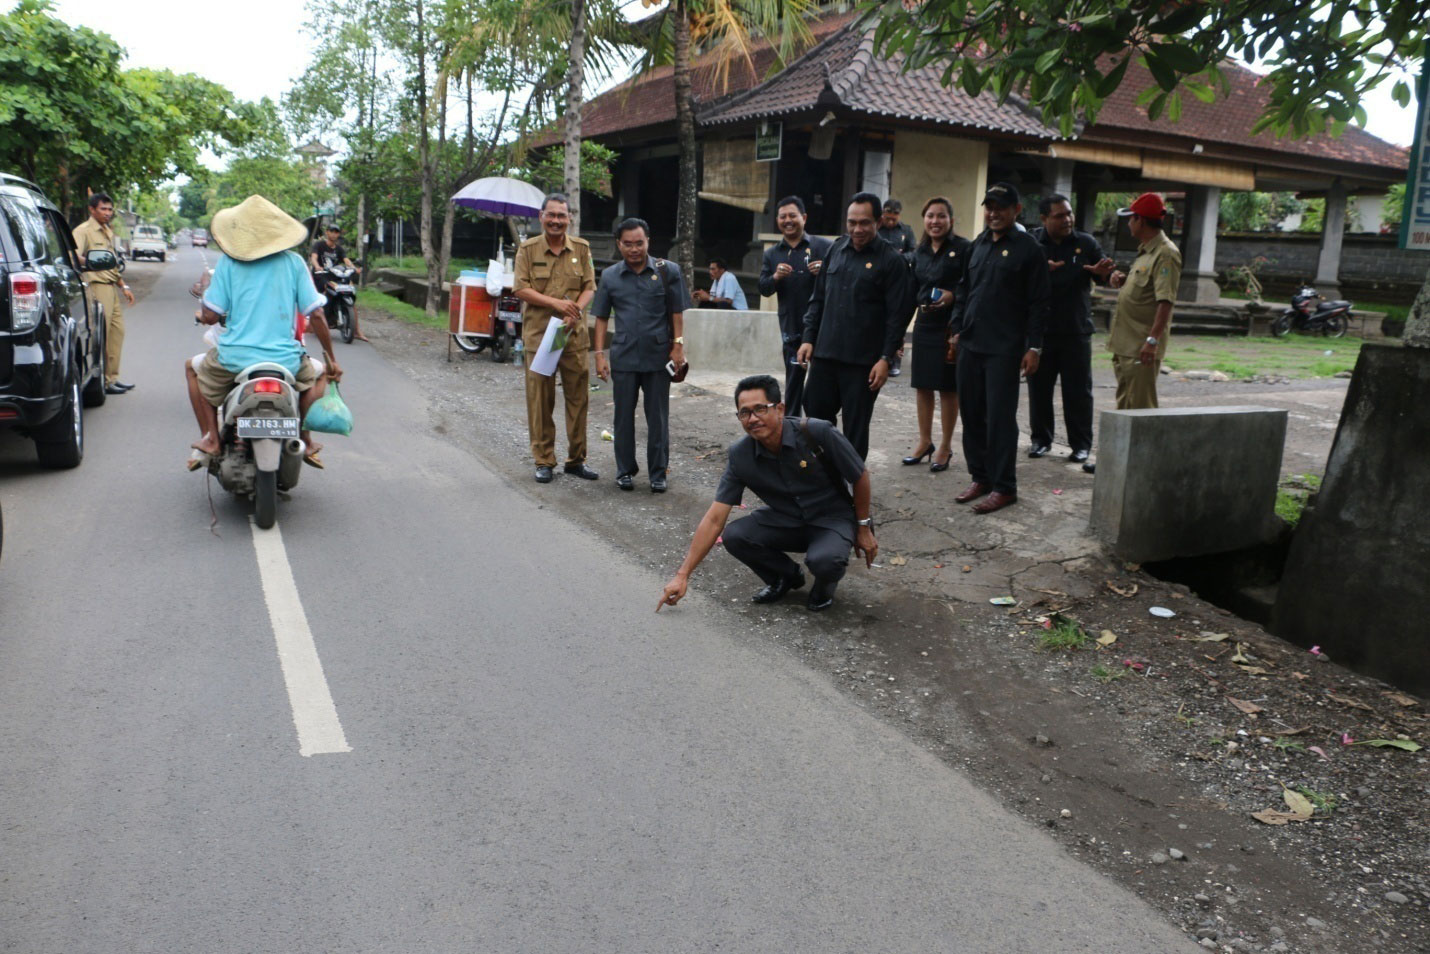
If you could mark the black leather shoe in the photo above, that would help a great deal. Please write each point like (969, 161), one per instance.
(658, 485)
(1078, 457)
(580, 470)
(625, 482)
(115, 388)
(1038, 450)
(777, 591)
(821, 595)
(543, 474)
(1089, 468)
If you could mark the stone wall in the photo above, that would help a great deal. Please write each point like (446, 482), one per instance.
(1368, 262)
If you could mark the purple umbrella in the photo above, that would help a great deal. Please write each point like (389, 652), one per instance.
(500, 195)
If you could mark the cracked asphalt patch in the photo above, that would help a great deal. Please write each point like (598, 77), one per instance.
(1130, 753)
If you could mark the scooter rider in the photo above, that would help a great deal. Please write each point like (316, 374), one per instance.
(257, 287)
(325, 253)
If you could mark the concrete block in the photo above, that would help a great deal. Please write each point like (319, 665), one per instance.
(1357, 579)
(736, 342)
(1181, 482)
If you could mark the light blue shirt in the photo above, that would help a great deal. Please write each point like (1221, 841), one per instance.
(726, 287)
(261, 301)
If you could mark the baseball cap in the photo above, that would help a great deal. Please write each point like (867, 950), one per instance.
(1001, 194)
(1149, 205)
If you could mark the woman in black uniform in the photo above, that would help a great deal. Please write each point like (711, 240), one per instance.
(938, 265)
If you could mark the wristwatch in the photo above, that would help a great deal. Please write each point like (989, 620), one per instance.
(680, 340)
(866, 522)
(1037, 351)
(1152, 341)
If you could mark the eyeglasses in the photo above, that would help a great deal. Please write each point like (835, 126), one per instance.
(744, 413)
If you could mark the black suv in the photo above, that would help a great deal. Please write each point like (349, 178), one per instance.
(51, 331)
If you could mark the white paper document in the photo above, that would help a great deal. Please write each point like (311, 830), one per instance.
(549, 354)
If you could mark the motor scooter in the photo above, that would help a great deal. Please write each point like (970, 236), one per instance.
(1312, 314)
(261, 452)
(342, 296)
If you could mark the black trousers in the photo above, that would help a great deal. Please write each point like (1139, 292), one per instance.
(762, 543)
(1068, 357)
(988, 403)
(794, 378)
(626, 387)
(838, 389)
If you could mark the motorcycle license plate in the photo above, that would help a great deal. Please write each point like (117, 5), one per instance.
(275, 427)
(343, 288)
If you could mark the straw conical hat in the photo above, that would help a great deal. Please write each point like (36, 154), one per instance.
(254, 229)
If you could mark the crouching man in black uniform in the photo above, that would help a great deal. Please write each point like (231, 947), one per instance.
(802, 470)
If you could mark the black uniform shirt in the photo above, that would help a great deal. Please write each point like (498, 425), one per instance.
(941, 270)
(795, 485)
(794, 289)
(900, 236)
(643, 302)
(1071, 310)
(1001, 304)
(861, 303)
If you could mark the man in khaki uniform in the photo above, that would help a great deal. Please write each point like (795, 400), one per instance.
(1143, 317)
(106, 286)
(556, 279)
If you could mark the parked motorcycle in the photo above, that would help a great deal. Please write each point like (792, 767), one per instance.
(261, 451)
(341, 294)
(1311, 314)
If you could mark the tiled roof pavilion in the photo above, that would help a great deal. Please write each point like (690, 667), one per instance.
(842, 73)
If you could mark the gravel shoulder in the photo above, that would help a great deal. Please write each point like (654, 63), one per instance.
(1145, 757)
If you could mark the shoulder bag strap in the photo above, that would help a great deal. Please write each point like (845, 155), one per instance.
(817, 450)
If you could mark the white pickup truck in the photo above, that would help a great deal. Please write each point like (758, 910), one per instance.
(148, 242)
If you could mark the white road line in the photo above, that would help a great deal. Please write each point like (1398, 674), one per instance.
(314, 715)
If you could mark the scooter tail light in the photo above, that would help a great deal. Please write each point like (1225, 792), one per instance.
(267, 386)
(26, 302)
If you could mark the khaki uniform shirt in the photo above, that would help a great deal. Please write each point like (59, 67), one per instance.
(566, 275)
(1154, 277)
(91, 235)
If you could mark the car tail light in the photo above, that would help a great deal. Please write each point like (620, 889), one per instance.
(267, 386)
(26, 302)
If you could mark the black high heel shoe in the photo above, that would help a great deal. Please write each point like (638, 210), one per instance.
(926, 453)
(935, 466)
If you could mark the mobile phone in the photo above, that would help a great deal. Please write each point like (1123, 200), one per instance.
(670, 368)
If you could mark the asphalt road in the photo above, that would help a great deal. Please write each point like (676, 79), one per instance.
(526, 758)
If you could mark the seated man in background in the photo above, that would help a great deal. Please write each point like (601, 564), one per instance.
(725, 291)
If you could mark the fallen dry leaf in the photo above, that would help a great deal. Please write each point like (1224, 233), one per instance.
(1129, 591)
(966, 569)
(1252, 670)
(897, 561)
(1286, 732)
(1298, 803)
(1273, 817)
(1211, 638)
(1107, 638)
(1250, 708)
(1240, 656)
(1348, 701)
(1401, 699)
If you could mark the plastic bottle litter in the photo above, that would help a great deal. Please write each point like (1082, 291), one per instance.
(518, 354)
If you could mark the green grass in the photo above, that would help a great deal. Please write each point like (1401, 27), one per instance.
(1324, 801)
(1296, 356)
(1105, 675)
(418, 266)
(1064, 634)
(370, 300)
(1292, 494)
(1288, 745)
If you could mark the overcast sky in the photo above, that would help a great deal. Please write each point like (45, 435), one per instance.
(256, 47)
